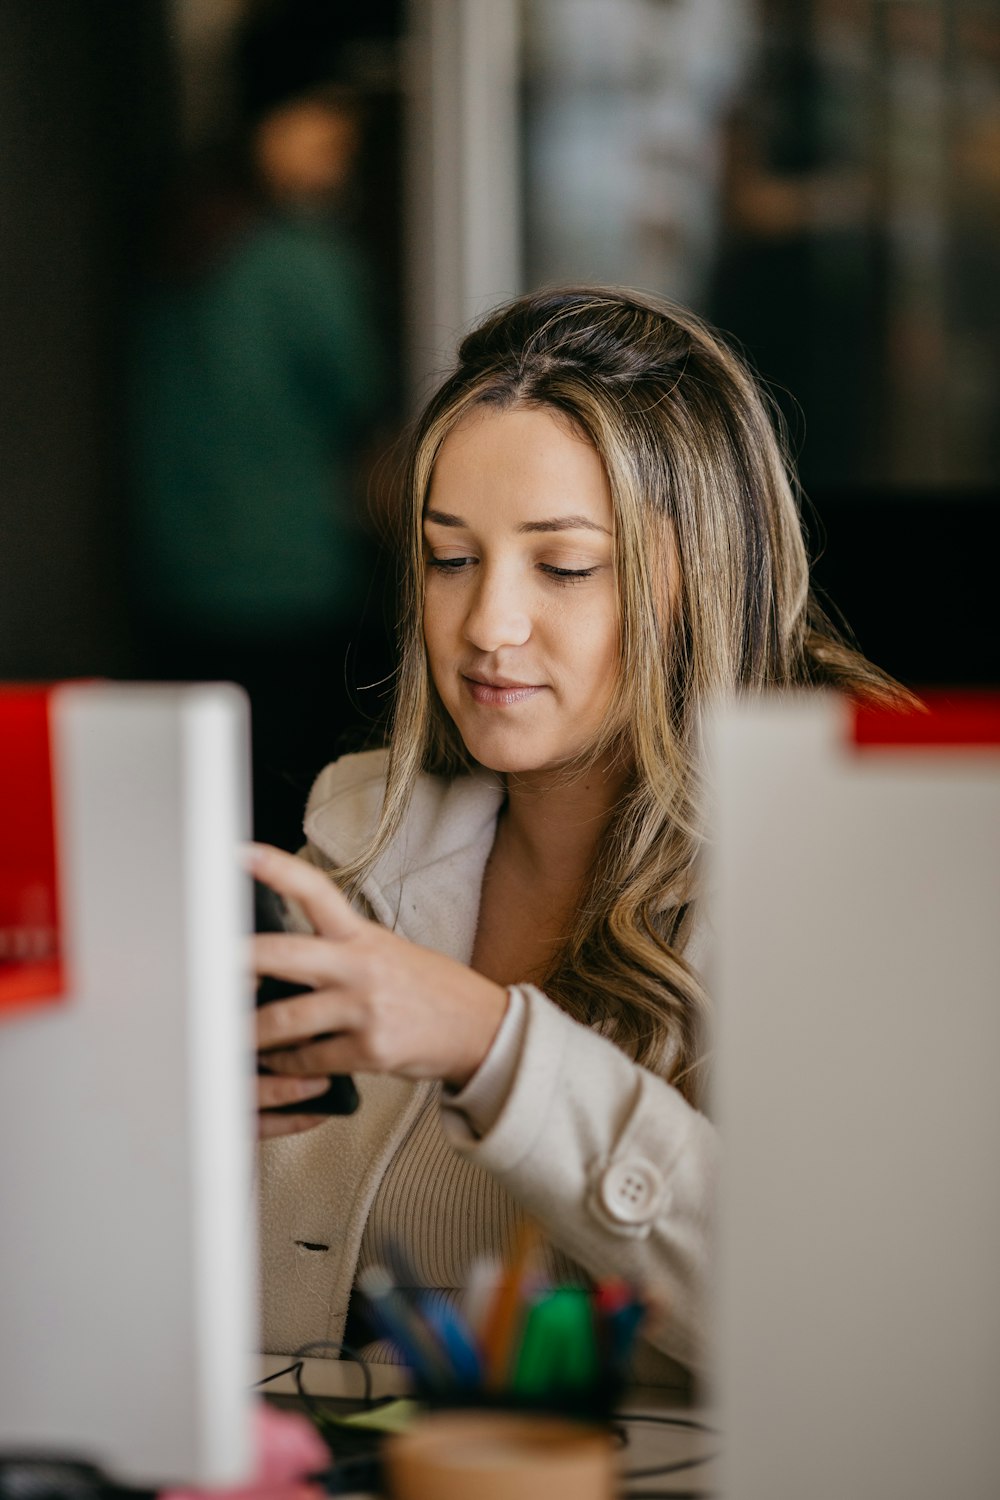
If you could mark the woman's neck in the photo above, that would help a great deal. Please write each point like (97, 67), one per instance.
(553, 822)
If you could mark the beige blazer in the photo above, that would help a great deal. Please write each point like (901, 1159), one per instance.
(610, 1160)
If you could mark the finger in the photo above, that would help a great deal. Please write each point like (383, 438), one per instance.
(270, 1125)
(301, 959)
(337, 1054)
(328, 911)
(273, 1091)
(287, 1023)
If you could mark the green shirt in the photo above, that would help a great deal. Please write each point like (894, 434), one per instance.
(253, 385)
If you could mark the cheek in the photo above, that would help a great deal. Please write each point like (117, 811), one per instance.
(590, 647)
(438, 626)
(610, 664)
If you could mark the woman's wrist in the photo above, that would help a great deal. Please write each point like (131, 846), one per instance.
(484, 1096)
(485, 1004)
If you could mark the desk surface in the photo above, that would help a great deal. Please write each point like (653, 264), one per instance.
(652, 1443)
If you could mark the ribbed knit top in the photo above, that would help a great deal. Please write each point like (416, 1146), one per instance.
(444, 1213)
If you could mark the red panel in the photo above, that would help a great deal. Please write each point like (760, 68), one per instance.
(952, 719)
(31, 965)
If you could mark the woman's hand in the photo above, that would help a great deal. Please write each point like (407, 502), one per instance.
(393, 1006)
(275, 1090)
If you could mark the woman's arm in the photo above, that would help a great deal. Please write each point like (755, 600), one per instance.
(611, 1161)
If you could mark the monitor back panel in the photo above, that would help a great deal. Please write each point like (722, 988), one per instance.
(126, 1225)
(857, 975)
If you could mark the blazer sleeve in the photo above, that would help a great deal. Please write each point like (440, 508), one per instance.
(613, 1163)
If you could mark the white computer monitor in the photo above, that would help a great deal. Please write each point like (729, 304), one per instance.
(856, 886)
(127, 1234)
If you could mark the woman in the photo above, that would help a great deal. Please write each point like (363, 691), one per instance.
(602, 538)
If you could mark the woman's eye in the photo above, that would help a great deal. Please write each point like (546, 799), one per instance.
(568, 575)
(449, 564)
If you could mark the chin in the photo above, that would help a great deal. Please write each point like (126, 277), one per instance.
(503, 754)
(511, 764)
(518, 759)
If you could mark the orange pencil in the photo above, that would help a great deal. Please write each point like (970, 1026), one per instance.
(502, 1321)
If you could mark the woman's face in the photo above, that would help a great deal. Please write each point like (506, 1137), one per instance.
(521, 617)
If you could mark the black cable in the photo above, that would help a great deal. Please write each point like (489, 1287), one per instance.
(296, 1369)
(677, 1466)
(661, 1419)
(671, 1495)
(660, 1471)
(318, 1345)
(266, 1379)
(358, 1467)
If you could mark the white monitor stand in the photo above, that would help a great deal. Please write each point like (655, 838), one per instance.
(127, 1233)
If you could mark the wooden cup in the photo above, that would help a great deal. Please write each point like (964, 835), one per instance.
(499, 1455)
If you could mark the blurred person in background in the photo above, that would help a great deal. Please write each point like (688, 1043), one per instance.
(260, 382)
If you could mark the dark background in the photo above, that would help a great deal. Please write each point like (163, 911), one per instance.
(88, 131)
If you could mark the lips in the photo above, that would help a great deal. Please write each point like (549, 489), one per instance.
(499, 692)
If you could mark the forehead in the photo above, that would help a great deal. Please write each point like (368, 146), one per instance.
(521, 457)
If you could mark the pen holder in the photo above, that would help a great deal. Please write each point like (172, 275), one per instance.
(499, 1455)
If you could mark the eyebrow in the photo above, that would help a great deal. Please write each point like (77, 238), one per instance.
(554, 523)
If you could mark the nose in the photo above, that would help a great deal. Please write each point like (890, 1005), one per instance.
(497, 615)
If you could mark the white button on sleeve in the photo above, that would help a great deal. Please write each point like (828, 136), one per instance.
(632, 1191)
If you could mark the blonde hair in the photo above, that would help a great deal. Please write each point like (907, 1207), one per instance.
(697, 473)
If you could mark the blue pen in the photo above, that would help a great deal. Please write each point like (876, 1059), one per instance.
(447, 1323)
(455, 1337)
(404, 1326)
(624, 1323)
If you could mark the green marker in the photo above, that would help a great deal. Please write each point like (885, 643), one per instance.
(558, 1347)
